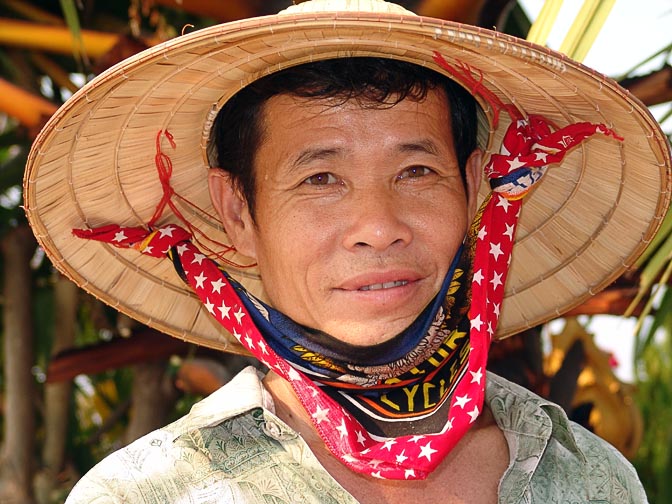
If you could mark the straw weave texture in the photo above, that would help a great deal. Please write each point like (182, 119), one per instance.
(93, 164)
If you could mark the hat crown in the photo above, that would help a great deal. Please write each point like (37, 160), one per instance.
(374, 6)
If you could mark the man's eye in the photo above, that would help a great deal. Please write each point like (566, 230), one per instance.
(320, 179)
(414, 172)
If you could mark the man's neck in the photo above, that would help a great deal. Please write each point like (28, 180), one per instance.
(482, 454)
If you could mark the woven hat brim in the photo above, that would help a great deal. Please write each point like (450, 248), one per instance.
(93, 164)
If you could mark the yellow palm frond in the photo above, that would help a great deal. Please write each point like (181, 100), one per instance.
(586, 27)
(541, 28)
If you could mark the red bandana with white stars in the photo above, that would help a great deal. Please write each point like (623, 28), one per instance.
(529, 146)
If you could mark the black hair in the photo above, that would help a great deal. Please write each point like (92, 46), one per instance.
(374, 82)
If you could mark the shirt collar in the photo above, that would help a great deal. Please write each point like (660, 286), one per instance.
(517, 410)
(243, 393)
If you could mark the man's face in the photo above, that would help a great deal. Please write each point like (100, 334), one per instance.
(359, 212)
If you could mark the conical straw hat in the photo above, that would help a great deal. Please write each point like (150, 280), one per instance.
(93, 164)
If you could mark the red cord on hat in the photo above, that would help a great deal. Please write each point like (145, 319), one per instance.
(164, 168)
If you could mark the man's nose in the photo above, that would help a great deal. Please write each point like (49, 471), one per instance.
(376, 220)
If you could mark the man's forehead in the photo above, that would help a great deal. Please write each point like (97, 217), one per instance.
(284, 108)
(334, 121)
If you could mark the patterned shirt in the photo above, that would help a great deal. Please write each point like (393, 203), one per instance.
(231, 448)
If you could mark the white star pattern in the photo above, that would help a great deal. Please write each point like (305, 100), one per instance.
(515, 163)
(119, 237)
(478, 277)
(495, 250)
(239, 315)
(209, 306)
(473, 414)
(496, 309)
(320, 414)
(462, 401)
(342, 429)
(167, 231)
(482, 233)
(496, 280)
(401, 458)
(217, 285)
(503, 203)
(199, 280)
(198, 259)
(476, 322)
(389, 444)
(409, 473)
(427, 451)
(182, 248)
(293, 374)
(509, 231)
(476, 376)
(224, 310)
(416, 438)
(360, 438)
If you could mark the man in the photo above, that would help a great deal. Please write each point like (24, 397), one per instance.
(352, 183)
(371, 172)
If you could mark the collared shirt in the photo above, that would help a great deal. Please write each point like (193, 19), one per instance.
(231, 448)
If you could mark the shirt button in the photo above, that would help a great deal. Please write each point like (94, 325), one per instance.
(274, 430)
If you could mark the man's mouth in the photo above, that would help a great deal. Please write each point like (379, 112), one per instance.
(386, 285)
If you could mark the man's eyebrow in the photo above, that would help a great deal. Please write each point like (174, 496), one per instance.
(305, 157)
(315, 154)
(426, 146)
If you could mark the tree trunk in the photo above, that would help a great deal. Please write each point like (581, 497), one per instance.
(17, 461)
(57, 395)
(152, 397)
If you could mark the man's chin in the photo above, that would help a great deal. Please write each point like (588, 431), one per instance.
(364, 334)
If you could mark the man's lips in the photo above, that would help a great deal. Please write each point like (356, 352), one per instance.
(386, 285)
(380, 281)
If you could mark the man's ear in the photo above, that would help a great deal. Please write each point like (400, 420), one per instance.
(233, 211)
(473, 175)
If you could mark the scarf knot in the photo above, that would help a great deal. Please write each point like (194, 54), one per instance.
(529, 146)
